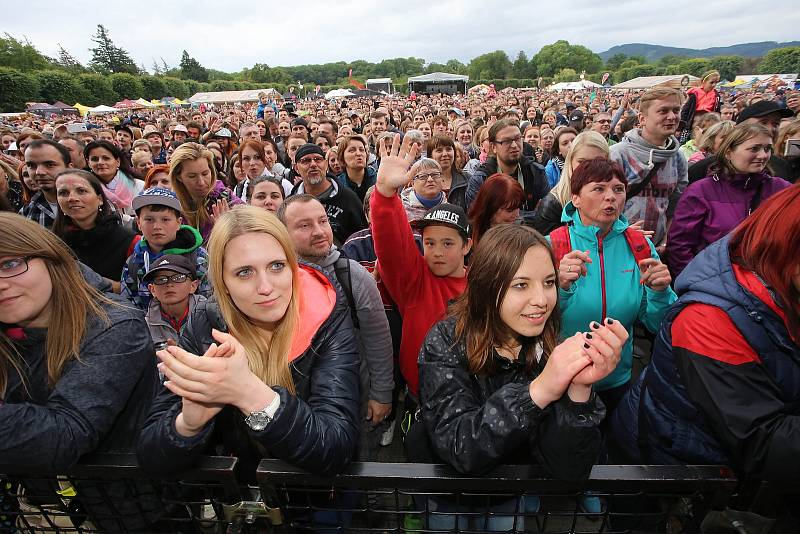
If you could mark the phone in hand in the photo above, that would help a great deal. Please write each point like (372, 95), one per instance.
(792, 149)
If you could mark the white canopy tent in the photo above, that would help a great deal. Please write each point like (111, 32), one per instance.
(646, 82)
(573, 86)
(339, 93)
(103, 109)
(230, 97)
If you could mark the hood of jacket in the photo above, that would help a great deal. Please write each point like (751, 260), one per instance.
(187, 240)
(330, 259)
(647, 152)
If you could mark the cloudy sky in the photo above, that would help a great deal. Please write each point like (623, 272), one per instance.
(231, 34)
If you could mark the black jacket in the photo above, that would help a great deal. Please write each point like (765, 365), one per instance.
(97, 405)
(476, 423)
(533, 176)
(458, 190)
(547, 215)
(315, 430)
(104, 248)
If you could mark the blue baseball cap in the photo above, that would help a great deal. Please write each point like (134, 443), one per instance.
(157, 196)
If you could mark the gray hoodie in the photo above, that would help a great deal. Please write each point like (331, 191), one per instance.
(655, 203)
(374, 338)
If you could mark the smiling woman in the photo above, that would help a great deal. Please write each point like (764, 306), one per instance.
(272, 385)
(87, 222)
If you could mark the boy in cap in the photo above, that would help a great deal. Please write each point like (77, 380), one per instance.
(421, 286)
(172, 280)
(158, 216)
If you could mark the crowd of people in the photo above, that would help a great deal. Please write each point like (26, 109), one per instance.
(306, 280)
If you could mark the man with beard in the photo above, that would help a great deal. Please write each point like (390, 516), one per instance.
(308, 224)
(505, 138)
(341, 204)
(44, 159)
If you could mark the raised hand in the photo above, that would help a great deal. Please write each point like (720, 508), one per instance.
(219, 208)
(393, 170)
(572, 267)
(655, 274)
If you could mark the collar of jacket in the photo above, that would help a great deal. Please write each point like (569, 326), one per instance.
(571, 216)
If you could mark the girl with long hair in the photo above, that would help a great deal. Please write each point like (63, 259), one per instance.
(488, 374)
(194, 179)
(272, 384)
(77, 371)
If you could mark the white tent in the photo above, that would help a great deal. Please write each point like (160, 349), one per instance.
(102, 109)
(646, 82)
(229, 97)
(439, 82)
(339, 93)
(573, 86)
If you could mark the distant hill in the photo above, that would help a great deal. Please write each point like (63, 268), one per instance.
(653, 52)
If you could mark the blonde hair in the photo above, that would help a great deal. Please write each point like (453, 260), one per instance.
(194, 212)
(72, 301)
(658, 93)
(710, 74)
(788, 130)
(268, 359)
(562, 190)
(710, 134)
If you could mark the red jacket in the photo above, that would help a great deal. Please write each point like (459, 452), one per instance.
(421, 296)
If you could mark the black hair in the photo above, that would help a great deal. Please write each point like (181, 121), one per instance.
(65, 157)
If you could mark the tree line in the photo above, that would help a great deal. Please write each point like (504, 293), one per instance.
(27, 75)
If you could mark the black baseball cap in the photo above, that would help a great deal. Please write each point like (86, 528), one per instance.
(171, 262)
(445, 215)
(306, 149)
(761, 108)
(576, 116)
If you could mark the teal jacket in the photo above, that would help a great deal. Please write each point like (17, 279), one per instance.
(611, 284)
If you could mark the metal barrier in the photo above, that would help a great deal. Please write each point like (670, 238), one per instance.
(110, 493)
(420, 498)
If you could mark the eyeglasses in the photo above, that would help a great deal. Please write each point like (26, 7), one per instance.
(14, 267)
(428, 176)
(603, 121)
(515, 140)
(308, 161)
(175, 279)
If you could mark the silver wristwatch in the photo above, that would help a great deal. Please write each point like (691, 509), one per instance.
(259, 420)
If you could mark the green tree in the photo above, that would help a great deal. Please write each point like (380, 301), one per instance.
(192, 69)
(21, 55)
(522, 67)
(728, 66)
(98, 89)
(17, 88)
(59, 85)
(108, 57)
(454, 66)
(781, 61)
(561, 55)
(127, 85)
(175, 87)
(615, 61)
(153, 87)
(566, 75)
(492, 65)
(694, 66)
(68, 62)
(671, 59)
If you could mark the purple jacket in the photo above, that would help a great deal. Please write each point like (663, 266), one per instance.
(709, 209)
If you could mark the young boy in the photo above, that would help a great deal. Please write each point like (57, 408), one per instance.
(172, 281)
(421, 286)
(158, 216)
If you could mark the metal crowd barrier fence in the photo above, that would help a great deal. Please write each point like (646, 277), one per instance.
(110, 493)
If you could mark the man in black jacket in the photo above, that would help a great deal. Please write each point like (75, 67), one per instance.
(343, 207)
(506, 142)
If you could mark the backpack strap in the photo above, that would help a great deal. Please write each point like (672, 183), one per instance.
(638, 244)
(561, 243)
(342, 270)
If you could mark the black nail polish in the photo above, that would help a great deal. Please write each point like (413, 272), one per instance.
(595, 325)
(585, 345)
(610, 321)
(588, 336)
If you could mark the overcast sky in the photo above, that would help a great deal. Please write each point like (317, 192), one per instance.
(231, 34)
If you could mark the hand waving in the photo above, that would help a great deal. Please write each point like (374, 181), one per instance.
(393, 171)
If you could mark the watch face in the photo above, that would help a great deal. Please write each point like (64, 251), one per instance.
(257, 421)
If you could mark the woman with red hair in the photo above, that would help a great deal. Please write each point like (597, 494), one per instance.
(724, 383)
(498, 202)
